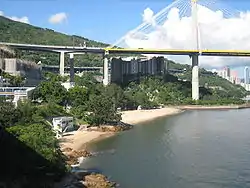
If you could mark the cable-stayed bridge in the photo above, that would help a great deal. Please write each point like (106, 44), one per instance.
(194, 28)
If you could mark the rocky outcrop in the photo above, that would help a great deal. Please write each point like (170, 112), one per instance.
(86, 180)
(98, 181)
(67, 150)
(73, 155)
(70, 181)
(111, 128)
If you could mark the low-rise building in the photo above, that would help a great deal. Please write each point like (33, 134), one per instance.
(22, 94)
(63, 124)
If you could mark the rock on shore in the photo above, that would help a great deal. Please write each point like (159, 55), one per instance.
(87, 180)
(98, 181)
(73, 155)
(111, 128)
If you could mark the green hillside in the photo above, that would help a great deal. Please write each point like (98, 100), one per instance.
(210, 80)
(17, 32)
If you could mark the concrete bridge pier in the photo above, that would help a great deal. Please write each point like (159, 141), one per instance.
(106, 69)
(195, 76)
(71, 64)
(61, 68)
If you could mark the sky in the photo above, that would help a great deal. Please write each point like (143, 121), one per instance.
(109, 20)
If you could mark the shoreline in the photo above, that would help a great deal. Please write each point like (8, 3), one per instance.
(77, 142)
(212, 107)
(80, 139)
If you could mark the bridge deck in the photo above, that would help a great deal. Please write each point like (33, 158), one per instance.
(180, 52)
(79, 49)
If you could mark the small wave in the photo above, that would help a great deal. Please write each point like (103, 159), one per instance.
(112, 151)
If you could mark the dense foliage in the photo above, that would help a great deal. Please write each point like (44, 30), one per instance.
(218, 85)
(15, 81)
(95, 104)
(89, 101)
(28, 123)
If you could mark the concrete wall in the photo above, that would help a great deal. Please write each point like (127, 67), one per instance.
(17, 67)
(12, 66)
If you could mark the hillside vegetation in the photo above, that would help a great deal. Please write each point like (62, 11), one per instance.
(17, 32)
(207, 79)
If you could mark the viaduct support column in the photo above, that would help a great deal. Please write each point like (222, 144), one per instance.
(106, 69)
(61, 68)
(195, 77)
(72, 72)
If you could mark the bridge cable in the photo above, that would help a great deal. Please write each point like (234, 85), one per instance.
(144, 24)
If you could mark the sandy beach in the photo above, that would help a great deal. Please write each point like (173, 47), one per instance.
(138, 116)
(78, 140)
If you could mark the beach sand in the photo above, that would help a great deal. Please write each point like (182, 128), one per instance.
(138, 116)
(78, 140)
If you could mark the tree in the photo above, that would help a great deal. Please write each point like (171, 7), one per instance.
(14, 81)
(115, 94)
(26, 110)
(49, 110)
(87, 79)
(102, 110)
(9, 115)
(40, 138)
(55, 77)
(51, 91)
(77, 96)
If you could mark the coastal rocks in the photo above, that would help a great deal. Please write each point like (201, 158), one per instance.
(70, 181)
(67, 150)
(85, 181)
(98, 181)
(73, 155)
(78, 154)
(111, 128)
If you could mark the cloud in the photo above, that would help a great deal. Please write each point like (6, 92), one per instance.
(217, 31)
(23, 19)
(58, 18)
(148, 16)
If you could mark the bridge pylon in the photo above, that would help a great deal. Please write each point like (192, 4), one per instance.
(195, 58)
(61, 68)
(106, 68)
(72, 72)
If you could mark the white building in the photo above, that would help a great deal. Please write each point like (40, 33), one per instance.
(22, 94)
(63, 124)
